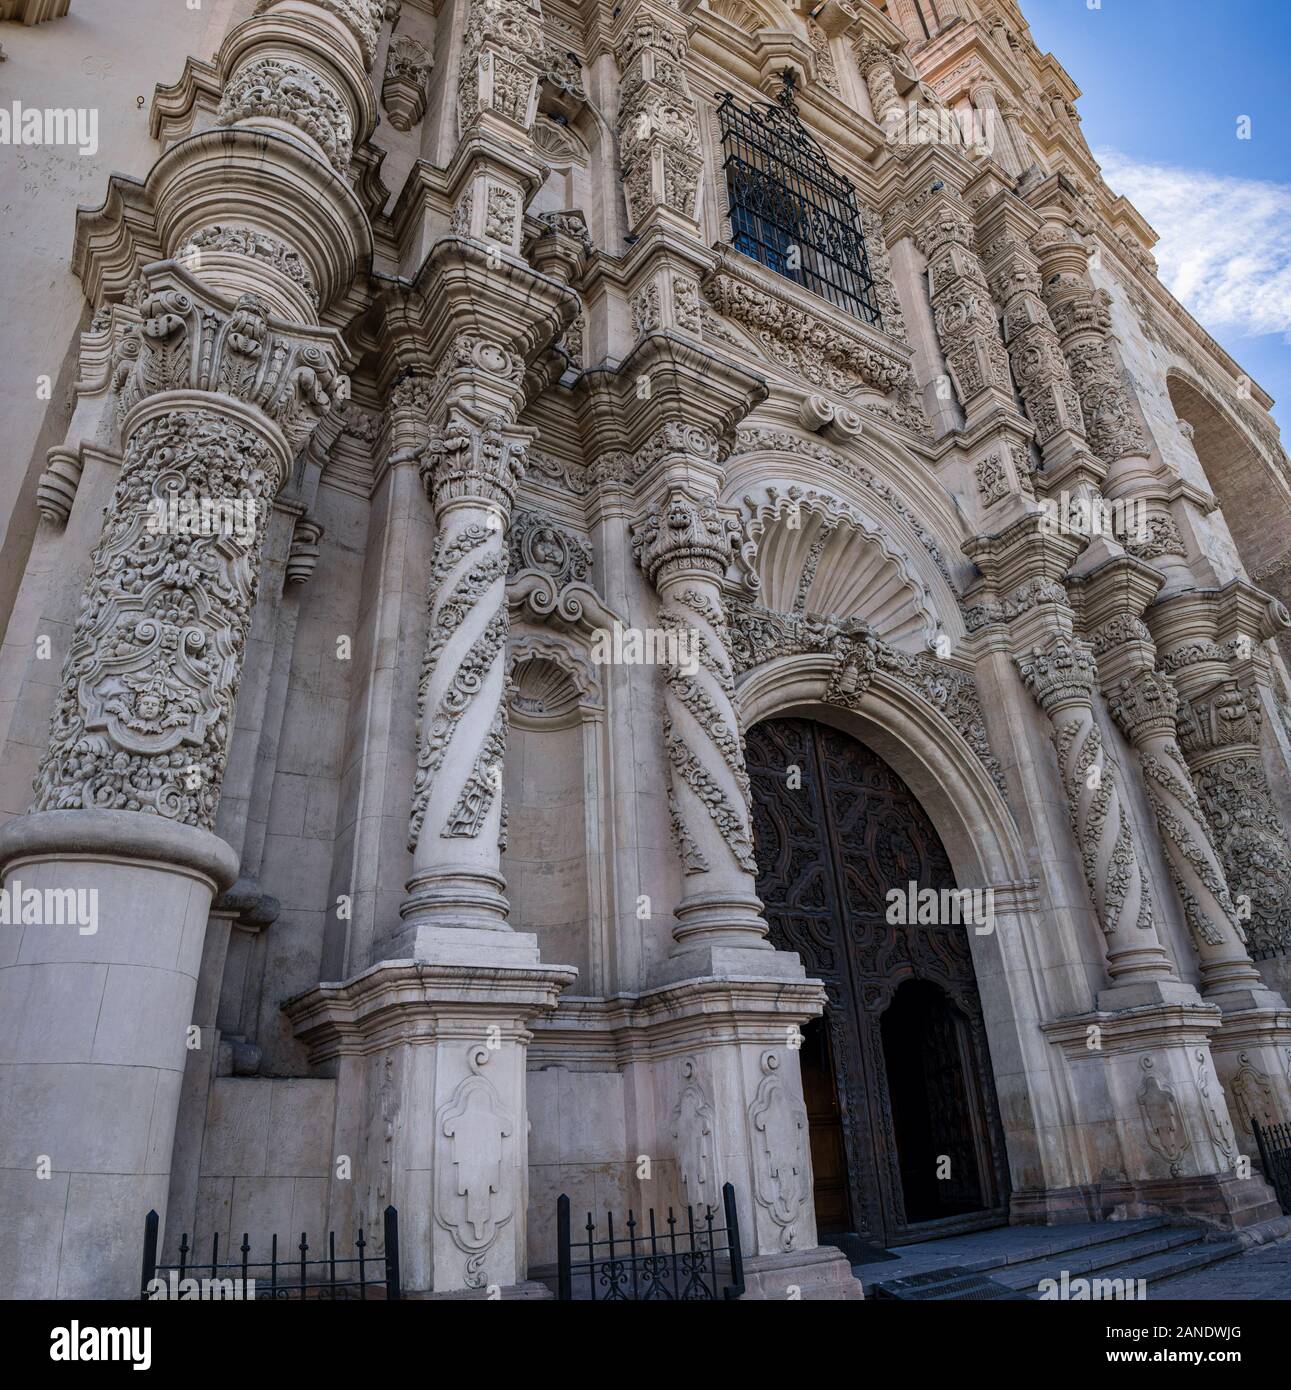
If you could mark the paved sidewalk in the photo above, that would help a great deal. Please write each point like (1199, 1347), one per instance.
(1263, 1273)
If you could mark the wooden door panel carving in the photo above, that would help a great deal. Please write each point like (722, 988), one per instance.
(835, 829)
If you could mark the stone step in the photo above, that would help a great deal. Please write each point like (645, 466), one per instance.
(1106, 1255)
(1167, 1264)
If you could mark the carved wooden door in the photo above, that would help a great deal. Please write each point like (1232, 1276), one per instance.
(903, 1045)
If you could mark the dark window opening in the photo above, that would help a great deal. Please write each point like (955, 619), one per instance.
(790, 211)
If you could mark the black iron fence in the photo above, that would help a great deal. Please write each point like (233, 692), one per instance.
(688, 1260)
(1274, 1143)
(289, 1274)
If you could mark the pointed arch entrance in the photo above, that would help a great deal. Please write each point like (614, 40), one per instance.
(905, 1129)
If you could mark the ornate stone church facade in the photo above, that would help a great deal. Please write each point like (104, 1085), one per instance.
(687, 480)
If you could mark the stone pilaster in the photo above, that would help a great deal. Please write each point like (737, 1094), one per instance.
(961, 306)
(658, 123)
(1035, 352)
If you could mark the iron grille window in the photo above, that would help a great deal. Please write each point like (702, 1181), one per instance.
(789, 210)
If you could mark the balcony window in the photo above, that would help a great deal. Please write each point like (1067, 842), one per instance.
(789, 209)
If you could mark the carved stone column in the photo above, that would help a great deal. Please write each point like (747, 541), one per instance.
(1141, 1056)
(1145, 706)
(1219, 731)
(1079, 313)
(1062, 679)
(457, 829)
(1039, 367)
(961, 305)
(220, 375)
(875, 64)
(684, 545)
(658, 123)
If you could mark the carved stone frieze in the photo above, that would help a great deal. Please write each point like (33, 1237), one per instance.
(759, 635)
(290, 92)
(842, 361)
(253, 244)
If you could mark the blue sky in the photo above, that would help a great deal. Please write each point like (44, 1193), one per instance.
(1164, 83)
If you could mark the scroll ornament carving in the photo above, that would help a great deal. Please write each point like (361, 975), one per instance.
(1062, 681)
(825, 67)
(537, 543)
(290, 92)
(885, 290)
(781, 1158)
(992, 479)
(182, 344)
(145, 713)
(501, 57)
(646, 310)
(473, 1189)
(1212, 1104)
(1251, 1096)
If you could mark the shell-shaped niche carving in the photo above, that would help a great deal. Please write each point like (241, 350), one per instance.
(810, 556)
(543, 690)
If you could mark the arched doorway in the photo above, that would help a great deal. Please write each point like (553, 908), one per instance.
(905, 1133)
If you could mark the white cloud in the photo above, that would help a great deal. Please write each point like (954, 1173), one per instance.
(1225, 248)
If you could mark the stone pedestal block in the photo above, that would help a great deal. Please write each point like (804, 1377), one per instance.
(94, 1020)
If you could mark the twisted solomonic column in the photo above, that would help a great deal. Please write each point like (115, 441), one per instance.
(683, 546)
(1062, 679)
(457, 829)
(1145, 707)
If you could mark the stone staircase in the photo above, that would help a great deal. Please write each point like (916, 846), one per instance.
(1151, 1248)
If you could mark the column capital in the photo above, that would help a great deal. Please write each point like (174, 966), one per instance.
(474, 460)
(683, 534)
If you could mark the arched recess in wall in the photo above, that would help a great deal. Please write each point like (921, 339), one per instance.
(576, 142)
(980, 837)
(552, 860)
(1254, 497)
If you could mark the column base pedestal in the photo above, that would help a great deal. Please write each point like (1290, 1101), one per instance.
(96, 1039)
